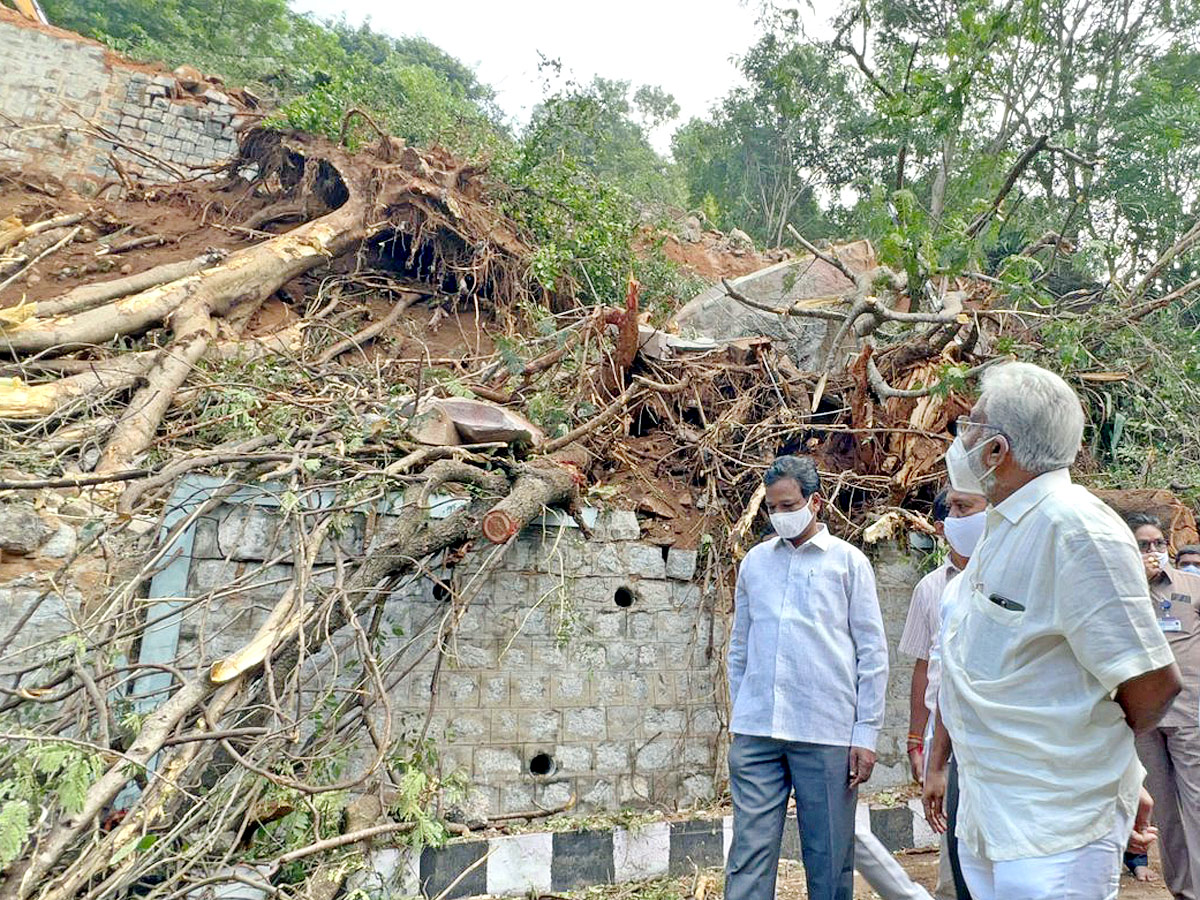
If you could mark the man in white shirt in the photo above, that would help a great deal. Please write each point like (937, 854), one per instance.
(1051, 658)
(807, 679)
(959, 518)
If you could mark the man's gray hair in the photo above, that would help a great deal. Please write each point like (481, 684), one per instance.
(1040, 414)
(799, 468)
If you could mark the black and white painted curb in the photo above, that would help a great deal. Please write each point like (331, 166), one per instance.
(545, 862)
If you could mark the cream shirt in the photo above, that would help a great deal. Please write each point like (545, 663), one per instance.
(1046, 757)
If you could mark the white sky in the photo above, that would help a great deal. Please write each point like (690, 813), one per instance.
(684, 46)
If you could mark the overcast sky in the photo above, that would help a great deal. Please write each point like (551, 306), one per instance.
(684, 46)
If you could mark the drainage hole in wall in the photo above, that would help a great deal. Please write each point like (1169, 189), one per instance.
(623, 597)
(541, 764)
(441, 593)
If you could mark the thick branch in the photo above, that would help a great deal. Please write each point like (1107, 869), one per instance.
(91, 295)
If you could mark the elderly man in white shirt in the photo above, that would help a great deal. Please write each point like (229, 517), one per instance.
(807, 677)
(1051, 659)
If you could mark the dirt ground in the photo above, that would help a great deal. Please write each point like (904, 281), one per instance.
(921, 866)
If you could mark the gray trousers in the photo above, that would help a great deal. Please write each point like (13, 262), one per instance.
(1172, 759)
(763, 774)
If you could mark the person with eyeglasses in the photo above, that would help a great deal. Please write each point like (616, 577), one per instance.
(1051, 659)
(1171, 751)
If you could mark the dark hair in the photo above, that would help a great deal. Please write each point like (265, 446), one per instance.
(1137, 520)
(801, 469)
(941, 505)
(1193, 549)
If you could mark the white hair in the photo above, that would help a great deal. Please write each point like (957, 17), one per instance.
(1039, 413)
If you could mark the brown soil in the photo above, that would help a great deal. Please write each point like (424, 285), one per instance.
(190, 220)
(710, 258)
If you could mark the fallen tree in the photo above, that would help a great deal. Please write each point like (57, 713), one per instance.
(115, 389)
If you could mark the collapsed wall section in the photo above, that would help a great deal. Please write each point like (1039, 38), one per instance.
(75, 110)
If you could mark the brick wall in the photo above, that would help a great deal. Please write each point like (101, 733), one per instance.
(68, 105)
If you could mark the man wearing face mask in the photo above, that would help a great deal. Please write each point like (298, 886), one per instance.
(807, 678)
(1188, 559)
(1171, 751)
(959, 518)
(1051, 659)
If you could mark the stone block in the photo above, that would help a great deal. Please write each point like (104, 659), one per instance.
(516, 797)
(589, 657)
(705, 721)
(505, 725)
(695, 789)
(637, 688)
(605, 560)
(554, 794)
(893, 827)
(581, 858)
(208, 574)
(548, 655)
(569, 689)
(648, 656)
(494, 761)
(520, 864)
(697, 754)
(460, 689)
(664, 721)
(641, 625)
(618, 525)
(607, 688)
(573, 759)
(653, 595)
(495, 689)
(685, 596)
(539, 725)
(622, 657)
(633, 790)
(612, 758)
(588, 722)
(474, 654)
(531, 689)
(469, 727)
(655, 756)
(698, 844)
(601, 795)
(642, 853)
(440, 868)
(645, 560)
(609, 624)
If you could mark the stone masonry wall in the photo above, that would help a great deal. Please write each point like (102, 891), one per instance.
(67, 104)
(586, 669)
(582, 669)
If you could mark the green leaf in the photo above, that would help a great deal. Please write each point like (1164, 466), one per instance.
(14, 828)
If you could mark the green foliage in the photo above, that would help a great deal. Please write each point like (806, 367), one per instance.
(14, 828)
(45, 774)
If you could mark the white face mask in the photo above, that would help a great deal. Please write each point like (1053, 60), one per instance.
(1163, 559)
(964, 532)
(792, 524)
(962, 465)
(1194, 569)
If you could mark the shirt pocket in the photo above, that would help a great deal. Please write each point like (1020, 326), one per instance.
(993, 633)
